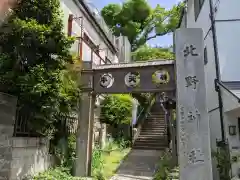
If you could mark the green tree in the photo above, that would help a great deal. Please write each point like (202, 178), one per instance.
(145, 53)
(139, 22)
(117, 109)
(34, 52)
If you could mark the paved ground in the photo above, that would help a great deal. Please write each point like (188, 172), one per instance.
(138, 165)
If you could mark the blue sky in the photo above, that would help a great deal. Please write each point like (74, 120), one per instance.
(162, 41)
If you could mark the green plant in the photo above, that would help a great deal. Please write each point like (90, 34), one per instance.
(117, 109)
(34, 54)
(97, 160)
(137, 20)
(164, 167)
(71, 152)
(122, 143)
(145, 53)
(223, 162)
(58, 173)
(99, 176)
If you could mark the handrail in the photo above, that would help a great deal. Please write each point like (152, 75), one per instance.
(140, 113)
(227, 89)
(140, 120)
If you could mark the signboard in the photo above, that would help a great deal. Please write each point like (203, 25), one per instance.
(193, 122)
(137, 77)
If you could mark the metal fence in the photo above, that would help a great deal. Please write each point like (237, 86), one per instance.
(23, 126)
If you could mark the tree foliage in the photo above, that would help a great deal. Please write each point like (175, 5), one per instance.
(33, 57)
(149, 53)
(139, 22)
(117, 109)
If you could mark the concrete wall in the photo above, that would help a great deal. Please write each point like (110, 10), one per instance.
(18, 156)
(29, 156)
(7, 116)
(227, 18)
(203, 21)
(227, 30)
(234, 146)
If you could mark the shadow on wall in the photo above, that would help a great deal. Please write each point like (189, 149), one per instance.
(29, 156)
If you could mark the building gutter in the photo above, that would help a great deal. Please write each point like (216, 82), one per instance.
(183, 12)
(94, 22)
(218, 78)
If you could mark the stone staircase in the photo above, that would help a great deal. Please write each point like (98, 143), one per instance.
(153, 135)
(142, 161)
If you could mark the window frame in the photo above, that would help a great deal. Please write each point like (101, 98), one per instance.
(198, 6)
(205, 55)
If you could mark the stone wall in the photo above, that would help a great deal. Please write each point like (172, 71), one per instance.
(18, 156)
(29, 156)
(7, 117)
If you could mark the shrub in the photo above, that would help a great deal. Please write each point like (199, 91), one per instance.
(58, 173)
(165, 168)
(97, 161)
(117, 109)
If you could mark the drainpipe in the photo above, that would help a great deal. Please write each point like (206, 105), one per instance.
(212, 18)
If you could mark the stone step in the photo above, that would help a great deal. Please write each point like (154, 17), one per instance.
(155, 117)
(158, 119)
(152, 124)
(151, 143)
(154, 129)
(149, 137)
(148, 140)
(157, 127)
(150, 147)
(153, 136)
(154, 132)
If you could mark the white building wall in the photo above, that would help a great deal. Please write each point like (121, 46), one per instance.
(203, 21)
(227, 31)
(72, 7)
(232, 120)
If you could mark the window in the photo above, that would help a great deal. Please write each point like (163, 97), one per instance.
(197, 7)
(205, 56)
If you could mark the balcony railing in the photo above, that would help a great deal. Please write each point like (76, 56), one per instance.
(95, 12)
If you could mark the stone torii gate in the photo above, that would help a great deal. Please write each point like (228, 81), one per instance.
(151, 76)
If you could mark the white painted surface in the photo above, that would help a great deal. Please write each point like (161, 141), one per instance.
(194, 134)
(203, 21)
(228, 39)
(234, 142)
(70, 7)
(229, 101)
(227, 33)
(227, 9)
